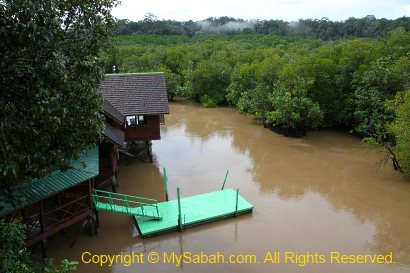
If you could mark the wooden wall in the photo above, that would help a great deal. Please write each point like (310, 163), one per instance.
(150, 131)
(107, 159)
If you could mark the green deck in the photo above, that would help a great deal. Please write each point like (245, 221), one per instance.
(195, 210)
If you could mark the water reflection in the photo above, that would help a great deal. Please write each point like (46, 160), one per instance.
(333, 165)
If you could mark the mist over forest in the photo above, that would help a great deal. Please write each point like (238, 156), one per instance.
(323, 28)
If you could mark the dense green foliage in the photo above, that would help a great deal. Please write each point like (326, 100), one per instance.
(400, 128)
(209, 82)
(52, 61)
(294, 84)
(51, 66)
(323, 28)
(12, 241)
(14, 257)
(293, 109)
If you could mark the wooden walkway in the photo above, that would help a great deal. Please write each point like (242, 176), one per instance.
(195, 210)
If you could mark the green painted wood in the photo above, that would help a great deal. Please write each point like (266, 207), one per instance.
(226, 176)
(196, 210)
(179, 210)
(126, 204)
(236, 202)
(166, 184)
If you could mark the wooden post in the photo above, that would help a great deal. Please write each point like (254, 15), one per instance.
(179, 211)
(97, 218)
(114, 184)
(149, 148)
(117, 160)
(166, 185)
(116, 172)
(226, 175)
(44, 249)
(42, 218)
(90, 192)
(91, 227)
(79, 232)
(236, 203)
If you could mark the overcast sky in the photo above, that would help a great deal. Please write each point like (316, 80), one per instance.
(289, 10)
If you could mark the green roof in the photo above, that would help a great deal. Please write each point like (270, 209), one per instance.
(58, 181)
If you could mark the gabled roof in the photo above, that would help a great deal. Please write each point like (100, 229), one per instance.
(113, 113)
(113, 134)
(57, 181)
(137, 93)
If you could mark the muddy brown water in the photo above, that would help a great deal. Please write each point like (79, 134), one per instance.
(317, 194)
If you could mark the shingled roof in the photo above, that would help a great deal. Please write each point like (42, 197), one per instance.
(113, 113)
(113, 134)
(137, 93)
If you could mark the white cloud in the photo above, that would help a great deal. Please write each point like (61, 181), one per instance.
(289, 10)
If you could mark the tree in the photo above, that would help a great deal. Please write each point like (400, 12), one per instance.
(378, 83)
(376, 114)
(12, 258)
(210, 81)
(51, 66)
(51, 69)
(400, 128)
(15, 259)
(293, 110)
(243, 80)
(185, 89)
(172, 81)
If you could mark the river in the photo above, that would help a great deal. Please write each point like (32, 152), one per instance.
(318, 194)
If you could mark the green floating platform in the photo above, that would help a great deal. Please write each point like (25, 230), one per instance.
(195, 210)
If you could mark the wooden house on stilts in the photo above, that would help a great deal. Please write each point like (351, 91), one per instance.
(57, 201)
(142, 99)
(134, 105)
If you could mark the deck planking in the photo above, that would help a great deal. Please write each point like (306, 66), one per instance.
(195, 210)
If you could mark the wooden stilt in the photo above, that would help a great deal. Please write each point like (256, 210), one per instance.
(97, 218)
(114, 184)
(116, 172)
(78, 233)
(92, 226)
(118, 162)
(44, 249)
(149, 150)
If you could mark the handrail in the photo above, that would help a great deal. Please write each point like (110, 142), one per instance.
(46, 212)
(123, 200)
(126, 205)
(125, 195)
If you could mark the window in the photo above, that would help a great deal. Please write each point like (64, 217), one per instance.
(136, 120)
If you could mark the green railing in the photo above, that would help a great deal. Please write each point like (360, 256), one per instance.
(126, 204)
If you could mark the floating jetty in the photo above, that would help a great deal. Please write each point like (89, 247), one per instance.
(194, 210)
(153, 218)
